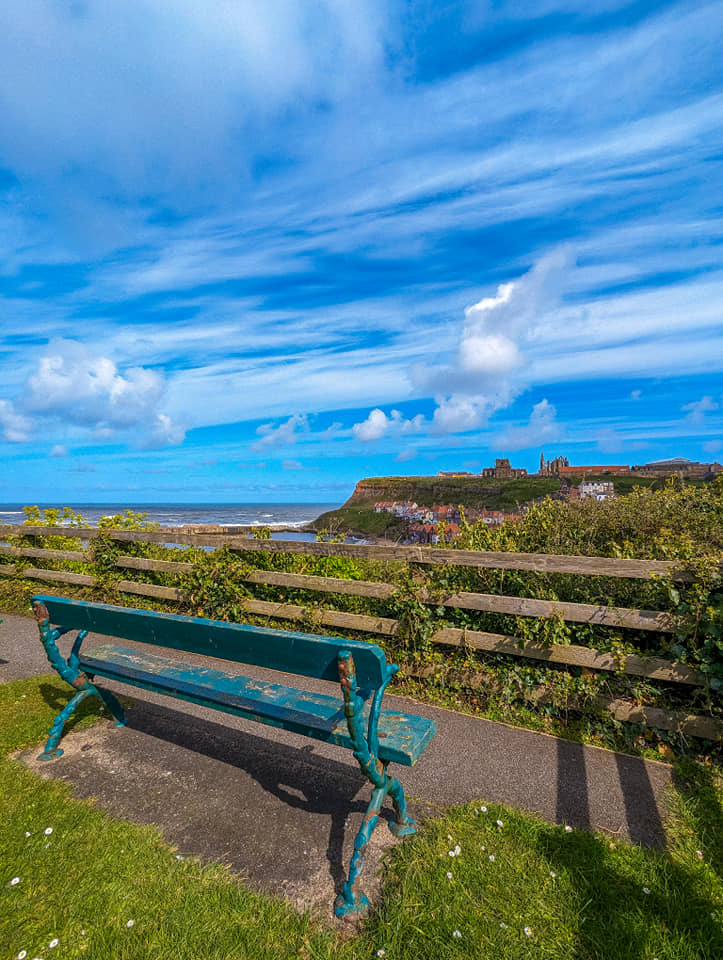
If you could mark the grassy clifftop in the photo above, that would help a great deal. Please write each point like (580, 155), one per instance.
(470, 491)
(357, 514)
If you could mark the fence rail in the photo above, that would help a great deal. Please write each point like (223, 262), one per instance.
(572, 655)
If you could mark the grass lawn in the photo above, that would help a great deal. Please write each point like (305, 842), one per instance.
(463, 887)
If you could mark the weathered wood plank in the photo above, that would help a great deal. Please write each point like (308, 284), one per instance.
(329, 618)
(150, 590)
(516, 606)
(160, 566)
(546, 563)
(60, 576)
(355, 588)
(710, 728)
(43, 554)
(574, 612)
(653, 668)
(8, 530)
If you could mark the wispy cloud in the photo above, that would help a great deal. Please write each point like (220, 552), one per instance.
(697, 410)
(419, 213)
(284, 434)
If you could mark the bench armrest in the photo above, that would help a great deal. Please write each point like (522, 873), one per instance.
(70, 671)
(366, 749)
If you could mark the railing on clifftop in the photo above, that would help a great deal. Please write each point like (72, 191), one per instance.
(567, 655)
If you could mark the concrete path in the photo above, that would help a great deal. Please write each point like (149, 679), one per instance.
(282, 810)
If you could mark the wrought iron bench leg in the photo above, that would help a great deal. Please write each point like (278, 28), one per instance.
(71, 673)
(403, 826)
(112, 703)
(51, 747)
(352, 900)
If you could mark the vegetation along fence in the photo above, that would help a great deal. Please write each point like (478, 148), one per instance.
(625, 639)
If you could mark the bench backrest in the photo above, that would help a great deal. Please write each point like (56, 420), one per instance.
(299, 653)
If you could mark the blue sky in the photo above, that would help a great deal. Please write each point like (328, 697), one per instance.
(254, 252)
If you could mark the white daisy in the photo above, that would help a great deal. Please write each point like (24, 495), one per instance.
(483, 809)
(456, 934)
(381, 953)
(646, 890)
(15, 881)
(449, 874)
(129, 923)
(22, 955)
(528, 931)
(48, 831)
(53, 943)
(492, 857)
(568, 828)
(500, 823)
(27, 833)
(553, 874)
(503, 925)
(457, 850)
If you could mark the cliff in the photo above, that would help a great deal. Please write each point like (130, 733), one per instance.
(470, 491)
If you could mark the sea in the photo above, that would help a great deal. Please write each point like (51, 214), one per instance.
(285, 520)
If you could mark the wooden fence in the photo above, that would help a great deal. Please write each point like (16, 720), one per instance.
(572, 655)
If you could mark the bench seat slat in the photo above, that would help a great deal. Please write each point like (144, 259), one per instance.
(402, 737)
(303, 654)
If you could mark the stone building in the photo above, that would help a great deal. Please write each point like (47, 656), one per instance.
(677, 467)
(503, 471)
(551, 468)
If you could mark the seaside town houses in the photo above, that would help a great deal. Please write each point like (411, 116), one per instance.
(424, 522)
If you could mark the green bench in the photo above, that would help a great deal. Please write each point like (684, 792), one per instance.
(353, 720)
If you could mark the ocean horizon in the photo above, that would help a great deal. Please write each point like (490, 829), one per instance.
(277, 516)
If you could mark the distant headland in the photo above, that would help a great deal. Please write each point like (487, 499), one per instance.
(410, 508)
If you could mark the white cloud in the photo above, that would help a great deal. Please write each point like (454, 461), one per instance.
(88, 390)
(459, 414)
(378, 425)
(285, 433)
(492, 346)
(59, 451)
(713, 446)
(78, 387)
(542, 428)
(291, 465)
(373, 428)
(15, 427)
